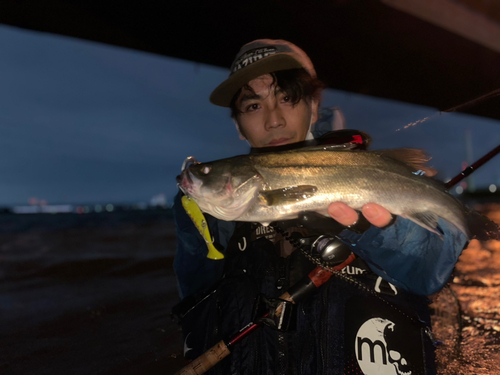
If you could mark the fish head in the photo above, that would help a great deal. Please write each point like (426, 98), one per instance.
(224, 188)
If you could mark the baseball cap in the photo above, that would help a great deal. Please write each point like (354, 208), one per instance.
(256, 58)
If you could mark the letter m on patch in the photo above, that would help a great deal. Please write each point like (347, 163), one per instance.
(371, 345)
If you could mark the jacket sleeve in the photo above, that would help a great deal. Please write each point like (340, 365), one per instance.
(194, 271)
(409, 256)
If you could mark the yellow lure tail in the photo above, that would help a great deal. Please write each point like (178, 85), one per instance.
(200, 223)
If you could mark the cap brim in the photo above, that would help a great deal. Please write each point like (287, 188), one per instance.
(224, 93)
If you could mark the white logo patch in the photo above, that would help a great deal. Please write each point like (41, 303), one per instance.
(372, 352)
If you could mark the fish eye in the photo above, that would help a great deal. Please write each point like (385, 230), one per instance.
(206, 169)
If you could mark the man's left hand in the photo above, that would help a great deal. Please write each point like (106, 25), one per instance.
(374, 213)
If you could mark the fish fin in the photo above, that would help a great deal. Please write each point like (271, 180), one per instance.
(427, 220)
(288, 194)
(414, 157)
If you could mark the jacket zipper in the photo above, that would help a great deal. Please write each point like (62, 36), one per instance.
(324, 318)
(282, 284)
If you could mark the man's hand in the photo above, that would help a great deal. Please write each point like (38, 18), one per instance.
(374, 213)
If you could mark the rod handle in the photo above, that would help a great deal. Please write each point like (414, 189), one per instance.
(206, 361)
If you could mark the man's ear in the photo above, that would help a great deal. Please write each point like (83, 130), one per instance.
(242, 136)
(314, 111)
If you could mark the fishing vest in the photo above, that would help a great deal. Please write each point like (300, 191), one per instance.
(356, 323)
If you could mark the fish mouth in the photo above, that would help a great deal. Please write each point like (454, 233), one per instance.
(185, 182)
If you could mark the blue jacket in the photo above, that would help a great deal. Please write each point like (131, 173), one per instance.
(331, 324)
(404, 254)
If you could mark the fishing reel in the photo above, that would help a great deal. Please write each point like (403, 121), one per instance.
(323, 242)
(331, 250)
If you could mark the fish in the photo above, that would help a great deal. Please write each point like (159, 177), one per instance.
(277, 186)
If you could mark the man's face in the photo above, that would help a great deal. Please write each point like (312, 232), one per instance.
(268, 118)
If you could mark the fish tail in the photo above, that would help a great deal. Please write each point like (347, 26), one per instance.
(427, 220)
(475, 225)
(453, 212)
(481, 228)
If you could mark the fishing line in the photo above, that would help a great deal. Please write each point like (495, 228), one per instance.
(456, 108)
(418, 121)
(489, 95)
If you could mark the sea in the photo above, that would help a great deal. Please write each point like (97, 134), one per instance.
(88, 294)
(93, 294)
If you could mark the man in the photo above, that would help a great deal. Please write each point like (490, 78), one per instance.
(371, 319)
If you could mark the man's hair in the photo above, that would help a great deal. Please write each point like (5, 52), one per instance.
(297, 83)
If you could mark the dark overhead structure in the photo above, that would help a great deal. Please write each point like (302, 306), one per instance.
(438, 53)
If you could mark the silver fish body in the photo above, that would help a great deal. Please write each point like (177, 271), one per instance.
(278, 186)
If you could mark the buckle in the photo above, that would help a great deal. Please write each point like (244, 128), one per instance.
(266, 312)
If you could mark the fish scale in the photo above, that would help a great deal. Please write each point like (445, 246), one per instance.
(388, 192)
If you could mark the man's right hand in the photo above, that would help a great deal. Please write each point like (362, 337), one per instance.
(374, 213)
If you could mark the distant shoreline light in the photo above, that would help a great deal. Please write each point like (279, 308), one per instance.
(82, 209)
(47, 209)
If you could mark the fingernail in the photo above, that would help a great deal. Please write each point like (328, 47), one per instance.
(337, 212)
(370, 212)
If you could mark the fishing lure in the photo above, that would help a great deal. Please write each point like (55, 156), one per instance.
(200, 223)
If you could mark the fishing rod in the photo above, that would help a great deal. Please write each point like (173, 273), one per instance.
(298, 292)
(471, 168)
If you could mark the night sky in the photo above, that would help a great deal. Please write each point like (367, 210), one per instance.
(83, 122)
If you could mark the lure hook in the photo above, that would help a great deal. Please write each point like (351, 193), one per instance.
(190, 160)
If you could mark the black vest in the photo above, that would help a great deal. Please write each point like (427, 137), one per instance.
(355, 323)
